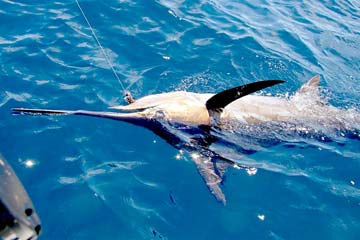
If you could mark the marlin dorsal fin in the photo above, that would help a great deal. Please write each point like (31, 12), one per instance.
(219, 101)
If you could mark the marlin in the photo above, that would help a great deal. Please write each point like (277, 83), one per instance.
(187, 120)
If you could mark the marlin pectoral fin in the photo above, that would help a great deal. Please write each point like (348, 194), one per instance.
(222, 99)
(211, 175)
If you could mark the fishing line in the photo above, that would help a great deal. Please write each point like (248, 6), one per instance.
(101, 47)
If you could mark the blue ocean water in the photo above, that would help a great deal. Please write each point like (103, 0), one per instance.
(95, 178)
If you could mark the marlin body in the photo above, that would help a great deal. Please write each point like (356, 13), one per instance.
(186, 120)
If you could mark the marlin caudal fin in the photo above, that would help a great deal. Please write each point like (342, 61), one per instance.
(126, 117)
(309, 92)
(310, 86)
(217, 103)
